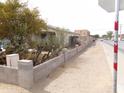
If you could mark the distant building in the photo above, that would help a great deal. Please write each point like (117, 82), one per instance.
(84, 35)
(83, 32)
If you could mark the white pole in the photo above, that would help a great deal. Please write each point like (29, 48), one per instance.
(117, 2)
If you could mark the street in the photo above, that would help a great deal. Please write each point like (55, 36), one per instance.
(120, 44)
(108, 49)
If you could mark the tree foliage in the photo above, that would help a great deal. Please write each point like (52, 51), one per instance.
(18, 23)
(104, 36)
(96, 36)
(109, 34)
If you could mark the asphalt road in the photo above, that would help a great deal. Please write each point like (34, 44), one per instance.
(108, 49)
(120, 44)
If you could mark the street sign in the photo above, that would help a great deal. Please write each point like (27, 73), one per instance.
(109, 5)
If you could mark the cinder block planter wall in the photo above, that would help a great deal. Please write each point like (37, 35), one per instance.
(43, 70)
(25, 75)
(8, 75)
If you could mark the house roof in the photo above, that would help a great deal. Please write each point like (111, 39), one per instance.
(57, 29)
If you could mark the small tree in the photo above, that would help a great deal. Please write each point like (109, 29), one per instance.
(18, 23)
(104, 36)
(96, 36)
(109, 34)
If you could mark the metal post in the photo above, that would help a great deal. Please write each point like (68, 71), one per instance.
(116, 45)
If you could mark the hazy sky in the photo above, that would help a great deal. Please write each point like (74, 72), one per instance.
(76, 14)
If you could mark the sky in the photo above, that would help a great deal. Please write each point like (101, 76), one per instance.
(76, 14)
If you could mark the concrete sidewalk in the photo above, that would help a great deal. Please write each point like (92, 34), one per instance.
(7, 88)
(87, 73)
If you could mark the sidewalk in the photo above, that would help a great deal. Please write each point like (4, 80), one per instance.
(7, 88)
(88, 73)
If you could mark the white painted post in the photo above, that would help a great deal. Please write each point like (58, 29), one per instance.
(12, 60)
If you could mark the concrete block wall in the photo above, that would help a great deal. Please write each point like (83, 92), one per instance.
(8, 75)
(25, 75)
(70, 54)
(80, 48)
(43, 70)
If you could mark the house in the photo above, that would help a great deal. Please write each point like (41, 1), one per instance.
(84, 35)
(66, 37)
(83, 32)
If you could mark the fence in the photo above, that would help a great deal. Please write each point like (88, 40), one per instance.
(26, 75)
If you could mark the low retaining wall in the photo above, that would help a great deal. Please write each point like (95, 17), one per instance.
(80, 48)
(8, 74)
(43, 70)
(70, 54)
(26, 75)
